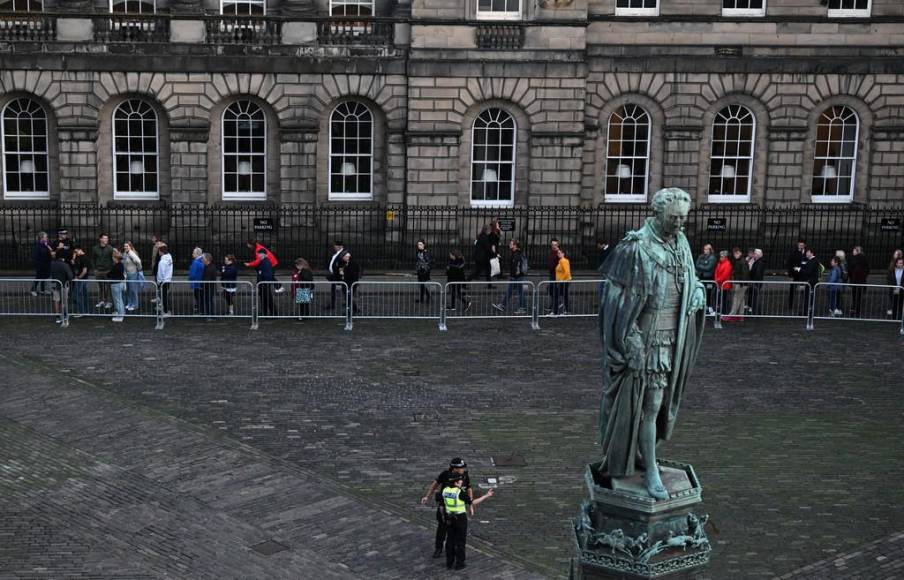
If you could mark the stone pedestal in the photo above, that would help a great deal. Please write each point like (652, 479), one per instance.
(623, 533)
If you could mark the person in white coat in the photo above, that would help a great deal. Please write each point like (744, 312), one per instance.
(164, 275)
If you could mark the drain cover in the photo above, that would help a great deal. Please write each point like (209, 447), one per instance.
(269, 547)
(513, 460)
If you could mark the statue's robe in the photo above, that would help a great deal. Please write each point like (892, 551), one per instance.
(636, 274)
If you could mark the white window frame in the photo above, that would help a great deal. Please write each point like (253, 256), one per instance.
(261, 3)
(28, 10)
(514, 163)
(141, 4)
(750, 159)
(23, 195)
(851, 12)
(136, 195)
(743, 12)
(498, 15)
(849, 198)
(242, 195)
(359, 3)
(637, 11)
(355, 195)
(628, 197)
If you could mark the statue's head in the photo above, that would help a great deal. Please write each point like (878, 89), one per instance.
(670, 209)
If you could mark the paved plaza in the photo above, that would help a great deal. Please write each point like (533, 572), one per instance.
(208, 450)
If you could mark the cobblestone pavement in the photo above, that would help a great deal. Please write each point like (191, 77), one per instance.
(143, 451)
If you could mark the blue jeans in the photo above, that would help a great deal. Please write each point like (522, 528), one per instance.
(133, 286)
(80, 295)
(118, 289)
(517, 283)
(833, 299)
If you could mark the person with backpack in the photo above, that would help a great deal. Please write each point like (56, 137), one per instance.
(423, 266)
(517, 272)
(303, 287)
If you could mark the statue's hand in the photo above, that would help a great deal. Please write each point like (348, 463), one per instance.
(698, 302)
(635, 356)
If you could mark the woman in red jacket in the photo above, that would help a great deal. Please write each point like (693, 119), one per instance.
(255, 246)
(723, 282)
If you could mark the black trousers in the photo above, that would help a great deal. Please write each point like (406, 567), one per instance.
(440, 529)
(457, 535)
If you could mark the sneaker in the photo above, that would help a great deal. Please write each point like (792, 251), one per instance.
(468, 307)
(499, 307)
(888, 312)
(165, 315)
(231, 311)
(59, 321)
(33, 293)
(100, 304)
(153, 301)
(838, 312)
(710, 311)
(108, 305)
(450, 308)
(130, 308)
(76, 315)
(521, 311)
(117, 319)
(279, 290)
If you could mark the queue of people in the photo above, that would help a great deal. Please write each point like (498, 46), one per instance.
(736, 274)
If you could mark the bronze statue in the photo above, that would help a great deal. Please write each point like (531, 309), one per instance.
(651, 323)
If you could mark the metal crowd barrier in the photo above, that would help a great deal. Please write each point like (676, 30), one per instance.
(209, 300)
(397, 300)
(766, 299)
(303, 300)
(28, 297)
(113, 299)
(713, 298)
(573, 298)
(485, 299)
(865, 302)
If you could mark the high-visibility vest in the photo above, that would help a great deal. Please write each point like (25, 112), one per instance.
(452, 500)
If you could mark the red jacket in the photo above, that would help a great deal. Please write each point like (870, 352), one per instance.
(257, 258)
(723, 274)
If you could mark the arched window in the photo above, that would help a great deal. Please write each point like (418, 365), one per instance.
(243, 7)
(731, 155)
(133, 6)
(26, 163)
(244, 151)
(493, 158)
(628, 154)
(351, 7)
(351, 151)
(835, 160)
(135, 151)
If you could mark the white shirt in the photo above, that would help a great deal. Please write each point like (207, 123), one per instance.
(165, 268)
(333, 259)
(898, 274)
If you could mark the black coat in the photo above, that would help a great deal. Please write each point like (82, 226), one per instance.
(758, 270)
(350, 272)
(455, 270)
(858, 269)
(809, 272)
(483, 248)
(795, 259)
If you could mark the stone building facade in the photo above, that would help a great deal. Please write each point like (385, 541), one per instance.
(463, 103)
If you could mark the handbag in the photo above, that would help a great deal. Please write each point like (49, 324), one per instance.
(303, 295)
(495, 268)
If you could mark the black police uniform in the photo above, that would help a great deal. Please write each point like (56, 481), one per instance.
(443, 479)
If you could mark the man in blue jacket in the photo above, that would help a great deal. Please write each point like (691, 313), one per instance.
(195, 275)
(264, 291)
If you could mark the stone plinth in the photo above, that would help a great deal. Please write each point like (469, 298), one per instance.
(622, 533)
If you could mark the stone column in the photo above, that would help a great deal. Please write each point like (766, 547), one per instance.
(784, 181)
(78, 163)
(298, 162)
(681, 152)
(188, 161)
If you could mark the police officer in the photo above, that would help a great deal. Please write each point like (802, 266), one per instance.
(454, 500)
(457, 467)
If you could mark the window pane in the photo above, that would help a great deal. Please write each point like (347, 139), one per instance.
(351, 150)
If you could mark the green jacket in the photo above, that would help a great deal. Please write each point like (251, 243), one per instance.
(102, 258)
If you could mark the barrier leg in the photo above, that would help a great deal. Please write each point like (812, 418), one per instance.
(535, 314)
(159, 309)
(811, 307)
(64, 307)
(255, 305)
(349, 309)
(442, 309)
(717, 321)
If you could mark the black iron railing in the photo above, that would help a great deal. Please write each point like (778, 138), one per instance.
(384, 237)
(248, 30)
(499, 36)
